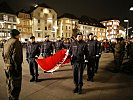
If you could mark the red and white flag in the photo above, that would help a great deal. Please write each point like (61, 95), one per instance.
(50, 64)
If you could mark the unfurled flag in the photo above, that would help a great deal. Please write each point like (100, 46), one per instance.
(51, 63)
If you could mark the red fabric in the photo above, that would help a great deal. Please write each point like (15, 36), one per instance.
(105, 45)
(50, 63)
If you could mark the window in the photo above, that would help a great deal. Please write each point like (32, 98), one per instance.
(45, 28)
(20, 29)
(46, 16)
(28, 29)
(24, 22)
(28, 22)
(53, 35)
(45, 21)
(39, 35)
(38, 21)
(62, 27)
(9, 26)
(66, 27)
(53, 16)
(24, 29)
(38, 14)
(38, 28)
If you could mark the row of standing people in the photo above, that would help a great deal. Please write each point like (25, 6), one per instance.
(78, 49)
(84, 53)
(121, 49)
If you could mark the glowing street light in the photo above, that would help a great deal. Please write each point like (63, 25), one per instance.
(127, 21)
(131, 9)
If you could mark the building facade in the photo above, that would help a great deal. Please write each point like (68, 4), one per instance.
(66, 24)
(114, 30)
(44, 22)
(89, 25)
(24, 24)
(7, 21)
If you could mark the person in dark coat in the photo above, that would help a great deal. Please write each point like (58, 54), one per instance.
(46, 47)
(117, 55)
(78, 49)
(92, 48)
(33, 52)
(59, 44)
(98, 54)
(13, 58)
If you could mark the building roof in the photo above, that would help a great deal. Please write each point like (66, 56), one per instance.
(67, 15)
(5, 8)
(32, 8)
(23, 11)
(90, 21)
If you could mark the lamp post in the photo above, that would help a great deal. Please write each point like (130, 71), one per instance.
(131, 9)
(127, 21)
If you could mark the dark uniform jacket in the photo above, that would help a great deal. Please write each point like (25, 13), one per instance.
(98, 43)
(118, 50)
(59, 45)
(33, 50)
(46, 48)
(92, 48)
(78, 49)
(12, 54)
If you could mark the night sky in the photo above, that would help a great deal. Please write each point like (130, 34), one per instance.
(99, 9)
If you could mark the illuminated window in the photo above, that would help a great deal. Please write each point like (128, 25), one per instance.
(14, 26)
(24, 22)
(39, 35)
(9, 26)
(115, 27)
(24, 29)
(28, 29)
(38, 21)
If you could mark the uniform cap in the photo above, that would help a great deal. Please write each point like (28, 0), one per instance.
(91, 34)
(79, 33)
(32, 37)
(14, 32)
(46, 36)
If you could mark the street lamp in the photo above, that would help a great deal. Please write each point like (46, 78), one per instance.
(127, 21)
(131, 9)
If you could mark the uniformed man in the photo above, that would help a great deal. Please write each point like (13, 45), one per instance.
(59, 44)
(78, 49)
(123, 44)
(98, 54)
(13, 58)
(33, 52)
(92, 48)
(117, 55)
(67, 43)
(46, 47)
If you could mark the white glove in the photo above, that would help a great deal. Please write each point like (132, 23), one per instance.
(97, 55)
(86, 60)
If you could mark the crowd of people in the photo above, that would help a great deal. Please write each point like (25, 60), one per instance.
(84, 53)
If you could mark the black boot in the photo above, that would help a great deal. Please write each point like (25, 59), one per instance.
(80, 90)
(76, 90)
(36, 79)
(32, 79)
(90, 79)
